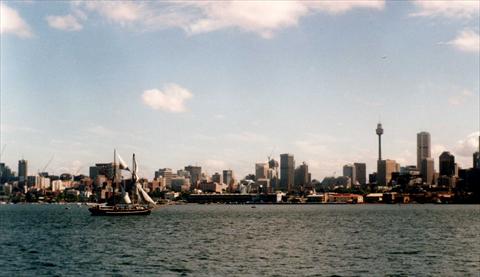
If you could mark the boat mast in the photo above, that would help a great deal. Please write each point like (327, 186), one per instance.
(114, 173)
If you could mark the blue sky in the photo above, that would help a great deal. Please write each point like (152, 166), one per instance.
(224, 85)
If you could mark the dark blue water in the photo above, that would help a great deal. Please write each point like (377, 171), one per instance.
(221, 240)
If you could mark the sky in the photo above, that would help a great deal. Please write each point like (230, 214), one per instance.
(224, 85)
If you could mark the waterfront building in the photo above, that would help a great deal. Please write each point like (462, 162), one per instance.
(261, 171)
(360, 173)
(287, 172)
(428, 170)
(180, 184)
(93, 172)
(349, 171)
(301, 176)
(195, 174)
(107, 170)
(22, 171)
(167, 175)
(228, 177)
(447, 164)
(385, 170)
(423, 148)
(217, 178)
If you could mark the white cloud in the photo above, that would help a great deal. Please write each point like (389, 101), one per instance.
(466, 147)
(65, 23)
(122, 12)
(100, 131)
(467, 41)
(247, 137)
(12, 23)
(171, 99)
(460, 98)
(264, 18)
(447, 8)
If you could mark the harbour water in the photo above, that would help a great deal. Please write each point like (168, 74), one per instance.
(237, 240)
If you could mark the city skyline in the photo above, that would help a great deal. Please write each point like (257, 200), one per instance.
(80, 79)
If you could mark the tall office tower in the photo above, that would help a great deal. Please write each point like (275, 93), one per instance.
(227, 177)
(447, 164)
(379, 132)
(423, 148)
(385, 170)
(287, 172)
(195, 174)
(476, 156)
(428, 170)
(22, 171)
(261, 171)
(273, 174)
(361, 173)
(217, 178)
(167, 174)
(349, 171)
(476, 159)
(301, 175)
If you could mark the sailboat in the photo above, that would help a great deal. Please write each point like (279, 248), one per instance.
(142, 204)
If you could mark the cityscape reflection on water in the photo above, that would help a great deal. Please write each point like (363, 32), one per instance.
(220, 240)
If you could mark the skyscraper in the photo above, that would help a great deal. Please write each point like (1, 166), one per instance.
(476, 156)
(301, 176)
(447, 164)
(22, 170)
(217, 178)
(195, 174)
(476, 159)
(261, 171)
(349, 171)
(385, 170)
(167, 174)
(427, 170)
(423, 148)
(287, 172)
(361, 173)
(227, 177)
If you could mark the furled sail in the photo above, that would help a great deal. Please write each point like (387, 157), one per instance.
(121, 163)
(144, 194)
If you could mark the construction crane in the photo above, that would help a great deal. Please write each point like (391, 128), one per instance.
(47, 164)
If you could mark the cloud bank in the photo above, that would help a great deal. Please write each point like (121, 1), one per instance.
(264, 18)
